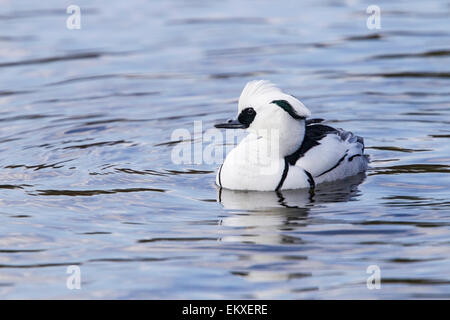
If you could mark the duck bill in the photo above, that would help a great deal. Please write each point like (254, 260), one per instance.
(231, 124)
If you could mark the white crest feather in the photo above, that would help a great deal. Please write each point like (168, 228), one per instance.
(261, 92)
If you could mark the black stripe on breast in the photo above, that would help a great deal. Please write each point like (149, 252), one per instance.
(220, 171)
(313, 134)
(283, 177)
(354, 156)
(334, 167)
(311, 181)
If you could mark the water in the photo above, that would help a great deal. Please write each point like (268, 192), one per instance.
(85, 141)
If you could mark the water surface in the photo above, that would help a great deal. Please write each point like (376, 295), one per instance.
(86, 176)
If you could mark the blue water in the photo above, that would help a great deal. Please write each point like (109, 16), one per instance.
(87, 176)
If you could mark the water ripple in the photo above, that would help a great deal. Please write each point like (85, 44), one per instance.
(88, 193)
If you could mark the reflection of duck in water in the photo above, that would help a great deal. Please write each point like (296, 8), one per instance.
(328, 192)
(284, 150)
(262, 214)
(270, 218)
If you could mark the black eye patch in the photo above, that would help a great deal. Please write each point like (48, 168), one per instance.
(247, 116)
(286, 106)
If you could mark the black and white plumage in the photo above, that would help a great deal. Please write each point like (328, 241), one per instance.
(284, 150)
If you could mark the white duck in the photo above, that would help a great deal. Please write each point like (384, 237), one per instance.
(284, 150)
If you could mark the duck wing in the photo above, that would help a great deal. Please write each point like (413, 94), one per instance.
(325, 148)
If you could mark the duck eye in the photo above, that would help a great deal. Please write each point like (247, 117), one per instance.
(247, 116)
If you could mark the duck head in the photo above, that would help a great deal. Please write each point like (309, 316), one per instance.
(264, 109)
